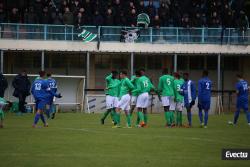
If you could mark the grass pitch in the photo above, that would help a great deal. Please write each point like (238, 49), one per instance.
(79, 140)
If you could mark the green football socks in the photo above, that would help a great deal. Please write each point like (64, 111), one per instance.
(145, 118)
(118, 118)
(168, 117)
(141, 116)
(128, 120)
(179, 118)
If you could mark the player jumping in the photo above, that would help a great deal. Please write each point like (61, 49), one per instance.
(204, 97)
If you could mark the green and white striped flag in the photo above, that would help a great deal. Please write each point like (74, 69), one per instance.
(143, 19)
(87, 36)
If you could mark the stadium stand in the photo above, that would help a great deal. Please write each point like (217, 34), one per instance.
(163, 13)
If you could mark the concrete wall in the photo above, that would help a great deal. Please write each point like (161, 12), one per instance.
(6, 44)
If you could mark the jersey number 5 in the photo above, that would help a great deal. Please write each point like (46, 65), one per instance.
(168, 81)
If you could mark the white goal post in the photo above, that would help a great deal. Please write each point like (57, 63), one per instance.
(71, 87)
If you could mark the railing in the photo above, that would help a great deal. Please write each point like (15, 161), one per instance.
(173, 35)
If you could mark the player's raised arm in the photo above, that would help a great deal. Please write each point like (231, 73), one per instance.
(108, 79)
(129, 84)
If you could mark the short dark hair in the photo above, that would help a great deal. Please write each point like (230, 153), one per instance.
(142, 69)
(205, 73)
(49, 74)
(239, 76)
(177, 75)
(165, 71)
(186, 74)
(42, 73)
(137, 73)
(124, 72)
(114, 72)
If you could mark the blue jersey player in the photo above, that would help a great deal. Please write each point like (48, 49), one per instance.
(242, 90)
(204, 97)
(189, 93)
(42, 94)
(53, 87)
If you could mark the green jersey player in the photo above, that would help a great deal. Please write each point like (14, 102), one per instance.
(124, 99)
(3, 105)
(166, 88)
(112, 93)
(179, 99)
(143, 89)
(134, 81)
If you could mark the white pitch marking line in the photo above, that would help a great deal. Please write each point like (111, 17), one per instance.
(159, 136)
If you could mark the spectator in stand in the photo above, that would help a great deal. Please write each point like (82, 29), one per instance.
(176, 16)
(156, 22)
(197, 20)
(88, 7)
(212, 13)
(130, 6)
(132, 18)
(64, 5)
(79, 20)
(98, 5)
(214, 20)
(57, 17)
(109, 20)
(121, 19)
(151, 9)
(45, 19)
(30, 17)
(87, 19)
(14, 16)
(141, 7)
(185, 33)
(2, 14)
(118, 8)
(68, 17)
(98, 19)
(38, 8)
(243, 25)
(75, 7)
(164, 14)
